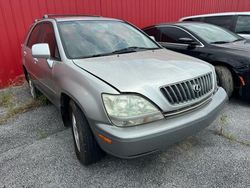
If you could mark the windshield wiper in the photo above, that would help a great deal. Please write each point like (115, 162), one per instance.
(132, 49)
(124, 50)
(220, 42)
(238, 40)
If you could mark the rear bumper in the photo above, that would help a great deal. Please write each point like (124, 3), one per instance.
(143, 139)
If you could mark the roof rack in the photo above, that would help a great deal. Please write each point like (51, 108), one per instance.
(67, 15)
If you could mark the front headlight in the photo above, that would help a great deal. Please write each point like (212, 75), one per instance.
(128, 110)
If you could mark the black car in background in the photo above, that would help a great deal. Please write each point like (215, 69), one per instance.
(228, 52)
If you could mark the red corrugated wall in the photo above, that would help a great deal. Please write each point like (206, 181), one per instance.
(17, 15)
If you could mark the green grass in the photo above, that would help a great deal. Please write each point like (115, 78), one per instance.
(229, 136)
(12, 111)
(233, 138)
(6, 99)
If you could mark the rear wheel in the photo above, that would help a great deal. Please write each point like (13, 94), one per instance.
(225, 79)
(86, 148)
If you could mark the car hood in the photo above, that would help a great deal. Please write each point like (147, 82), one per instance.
(240, 47)
(145, 70)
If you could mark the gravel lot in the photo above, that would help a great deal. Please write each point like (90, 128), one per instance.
(37, 151)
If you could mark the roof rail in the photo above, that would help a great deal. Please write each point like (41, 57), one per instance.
(67, 15)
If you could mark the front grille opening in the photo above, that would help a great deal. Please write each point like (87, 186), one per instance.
(188, 90)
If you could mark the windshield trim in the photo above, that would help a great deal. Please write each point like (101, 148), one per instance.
(72, 58)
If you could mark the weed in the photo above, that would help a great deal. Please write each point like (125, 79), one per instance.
(6, 98)
(223, 119)
(42, 134)
(232, 138)
(13, 111)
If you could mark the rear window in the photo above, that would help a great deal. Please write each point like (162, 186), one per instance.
(243, 25)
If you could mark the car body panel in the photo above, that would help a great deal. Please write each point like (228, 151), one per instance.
(137, 141)
(143, 73)
(149, 70)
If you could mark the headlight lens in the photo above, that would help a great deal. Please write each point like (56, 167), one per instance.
(128, 110)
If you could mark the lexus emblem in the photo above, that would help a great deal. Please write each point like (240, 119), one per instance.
(196, 88)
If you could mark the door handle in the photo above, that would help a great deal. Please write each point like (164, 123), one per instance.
(35, 60)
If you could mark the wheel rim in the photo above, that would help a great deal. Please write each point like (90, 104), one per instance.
(75, 131)
(32, 89)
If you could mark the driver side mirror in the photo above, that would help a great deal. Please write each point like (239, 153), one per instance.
(40, 50)
(152, 37)
(188, 41)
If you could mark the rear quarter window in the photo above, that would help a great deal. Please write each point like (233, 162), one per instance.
(243, 25)
(223, 21)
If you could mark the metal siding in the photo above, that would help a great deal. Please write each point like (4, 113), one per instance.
(16, 17)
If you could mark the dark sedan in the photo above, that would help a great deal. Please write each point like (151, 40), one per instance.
(228, 52)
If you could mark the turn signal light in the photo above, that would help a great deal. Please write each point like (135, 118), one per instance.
(105, 139)
(242, 81)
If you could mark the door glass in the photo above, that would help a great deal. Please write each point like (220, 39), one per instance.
(223, 21)
(34, 37)
(153, 32)
(172, 34)
(243, 25)
(49, 38)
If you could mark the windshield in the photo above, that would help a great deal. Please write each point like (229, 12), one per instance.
(213, 34)
(82, 39)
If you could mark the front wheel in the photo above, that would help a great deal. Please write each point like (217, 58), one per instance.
(225, 79)
(86, 148)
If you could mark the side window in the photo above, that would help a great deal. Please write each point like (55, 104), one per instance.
(34, 37)
(243, 25)
(172, 34)
(49, 37)
(223, 21)
(153, 32)
(193, 19)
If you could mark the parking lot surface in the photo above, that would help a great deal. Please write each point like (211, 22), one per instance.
(36, 150)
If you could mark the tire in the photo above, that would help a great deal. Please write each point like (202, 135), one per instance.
(225, 79)
(86, 148)
(33, 90)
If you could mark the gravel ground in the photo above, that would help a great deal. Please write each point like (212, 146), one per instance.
(36, 150)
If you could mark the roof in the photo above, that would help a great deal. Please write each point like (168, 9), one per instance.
(59, 19)
(65, 17)
(177, 24)
(216, 14)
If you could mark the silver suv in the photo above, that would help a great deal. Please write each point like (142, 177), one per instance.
(118, 89)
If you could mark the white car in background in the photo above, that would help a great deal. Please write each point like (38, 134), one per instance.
(238, 22)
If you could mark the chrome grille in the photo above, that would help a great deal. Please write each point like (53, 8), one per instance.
(188, 90)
